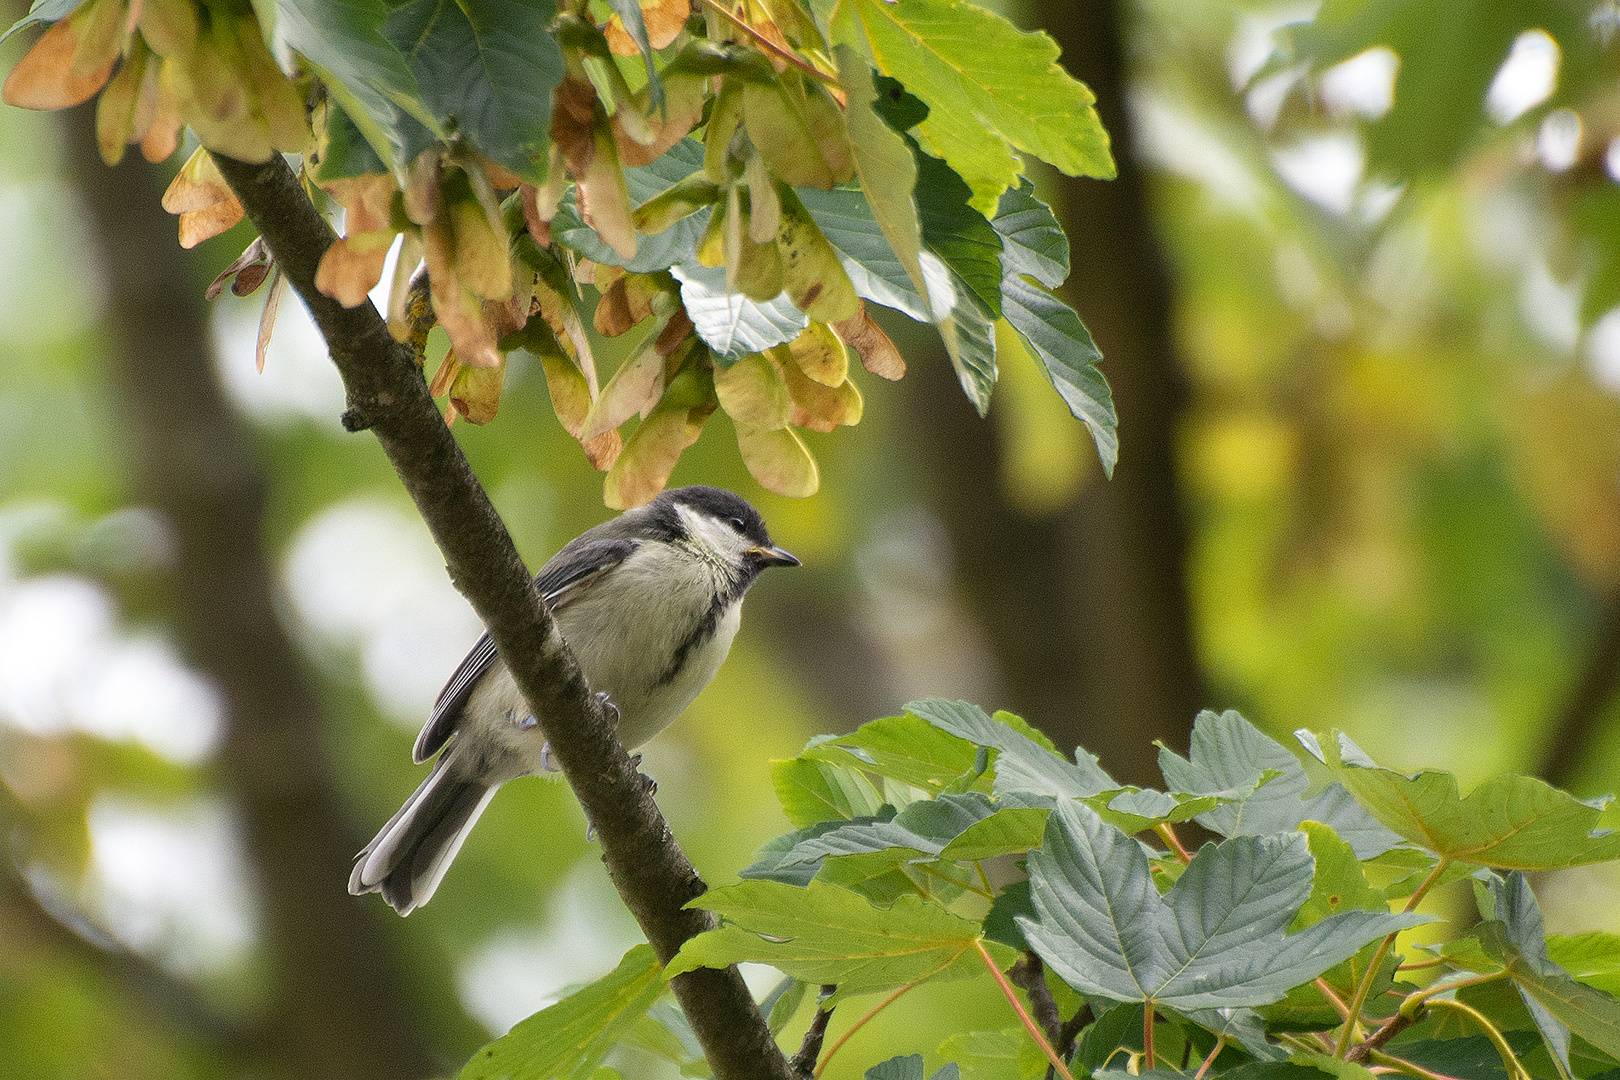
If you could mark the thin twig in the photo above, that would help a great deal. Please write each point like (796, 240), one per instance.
(1028, 1021)
(803, 1063)
(1070, 1031)
(1029, 975)
(768, 45)
(1337, 1001)
(1390, 1028)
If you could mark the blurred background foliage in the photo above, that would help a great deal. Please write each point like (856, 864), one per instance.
(1358, 288)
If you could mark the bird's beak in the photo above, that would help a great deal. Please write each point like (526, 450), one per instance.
(773, 556)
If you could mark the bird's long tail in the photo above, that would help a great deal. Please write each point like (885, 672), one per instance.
(408, 857)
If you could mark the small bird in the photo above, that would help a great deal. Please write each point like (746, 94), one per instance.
(648, 602)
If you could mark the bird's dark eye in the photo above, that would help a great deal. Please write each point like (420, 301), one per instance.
(740, 525)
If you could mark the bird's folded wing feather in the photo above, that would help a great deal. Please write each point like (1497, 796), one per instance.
(577, 563)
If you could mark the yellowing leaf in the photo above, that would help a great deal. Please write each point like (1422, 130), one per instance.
(821, 355)
(797, 128)
(778, 460)
(752, 393)
(684, 98)
(664, 20)
(826, 934)
(169, 26)
(476, 392)
(115, 109)
(353, 265)
(162, 136)
(812, 273)
(820, 407)
(634, 388)
(651, 454)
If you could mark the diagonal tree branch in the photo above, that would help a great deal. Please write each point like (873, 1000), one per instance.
(387, 395)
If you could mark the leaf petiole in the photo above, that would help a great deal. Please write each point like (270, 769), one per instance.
(1510, 1060)
(1215, 1052)
(1394, 1064)
(857, 1025)
(1028, 1021)
(1363, 988)
(1168, 835)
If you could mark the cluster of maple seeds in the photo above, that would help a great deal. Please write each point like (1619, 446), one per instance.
(774, 125)
(181, 63)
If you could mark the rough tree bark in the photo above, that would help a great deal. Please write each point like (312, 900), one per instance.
(387, 395)
(337, 1007)
(1087, 610)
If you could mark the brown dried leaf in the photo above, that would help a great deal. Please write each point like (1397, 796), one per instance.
(267, 318)
(49, 77)
(445, 376)
(779, 461)
(603, 451)
(539, 227)
(684, 96)
(678, 329)
(878, 353)
(196, 186)
(254, 255)
(457, 308)
(352, 266)
(162, 136)
(205, 203)
(664, 20)
(625, 303)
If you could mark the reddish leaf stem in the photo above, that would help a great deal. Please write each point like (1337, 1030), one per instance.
(1028, 1021)
(844, 1038)
(1168, 834)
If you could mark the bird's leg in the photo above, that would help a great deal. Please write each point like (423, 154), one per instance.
(608, 705)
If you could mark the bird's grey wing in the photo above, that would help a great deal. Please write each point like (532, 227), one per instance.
(578, 562)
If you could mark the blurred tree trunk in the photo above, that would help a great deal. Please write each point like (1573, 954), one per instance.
(336, 1004)
(1088, 611)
